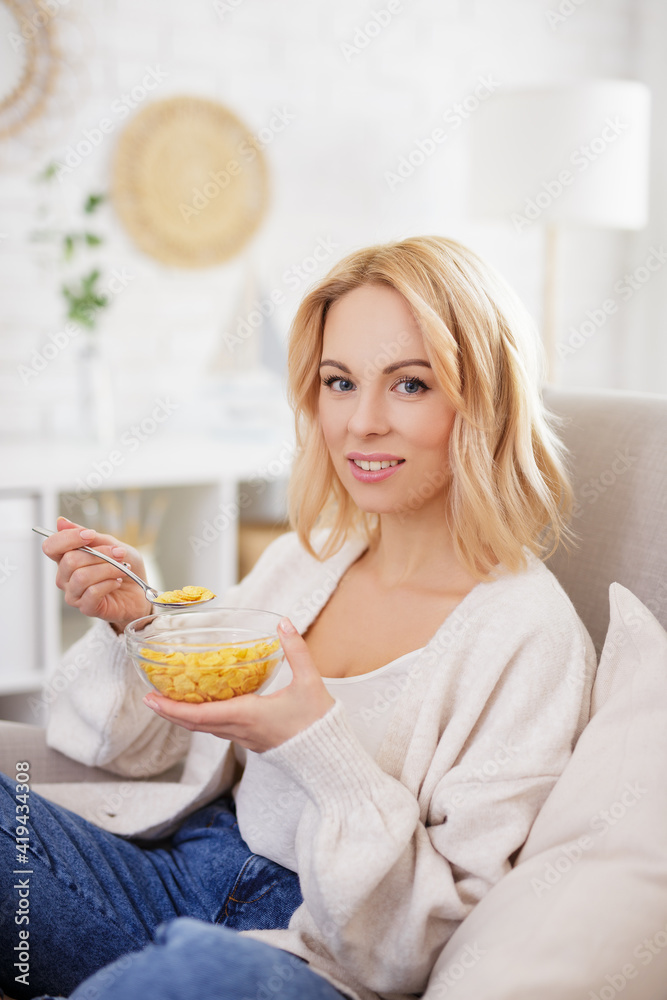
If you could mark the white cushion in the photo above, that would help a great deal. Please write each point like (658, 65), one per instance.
(583, 914)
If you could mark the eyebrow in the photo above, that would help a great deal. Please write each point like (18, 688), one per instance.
(385, 371)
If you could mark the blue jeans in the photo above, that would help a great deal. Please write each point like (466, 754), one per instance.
(191, 959)
(92, 897)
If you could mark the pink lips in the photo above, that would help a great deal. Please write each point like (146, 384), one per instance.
(373, 477)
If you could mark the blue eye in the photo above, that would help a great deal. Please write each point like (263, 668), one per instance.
(412, 381)
(330, 379)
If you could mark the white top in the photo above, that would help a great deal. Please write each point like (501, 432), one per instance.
(392, 852)
(269, 802)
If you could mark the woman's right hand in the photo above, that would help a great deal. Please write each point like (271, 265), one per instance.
(92, 585)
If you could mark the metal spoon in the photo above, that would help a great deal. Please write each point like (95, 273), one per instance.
(124, 568)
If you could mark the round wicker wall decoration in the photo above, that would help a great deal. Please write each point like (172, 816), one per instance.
(189, 182)
(28, 32)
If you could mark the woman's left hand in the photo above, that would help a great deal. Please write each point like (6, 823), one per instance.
(258, 722)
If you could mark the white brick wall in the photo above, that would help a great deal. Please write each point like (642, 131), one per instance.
(354, 117)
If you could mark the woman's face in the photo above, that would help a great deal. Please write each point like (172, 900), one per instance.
(369, 411)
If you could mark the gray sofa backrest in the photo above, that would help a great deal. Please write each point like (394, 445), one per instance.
(618, 445)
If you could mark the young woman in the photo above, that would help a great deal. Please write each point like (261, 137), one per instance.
(437, 676)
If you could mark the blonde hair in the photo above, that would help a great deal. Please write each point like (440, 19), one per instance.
(508, 486)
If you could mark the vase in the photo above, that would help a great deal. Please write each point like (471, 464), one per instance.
(96, 400)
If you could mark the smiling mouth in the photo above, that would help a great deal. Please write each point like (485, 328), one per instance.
(376, 466)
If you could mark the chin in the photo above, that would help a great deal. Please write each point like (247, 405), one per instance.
(385, 508)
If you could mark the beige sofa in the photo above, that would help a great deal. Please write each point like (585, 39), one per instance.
(619, 445)
(583, 913)
(569, 919)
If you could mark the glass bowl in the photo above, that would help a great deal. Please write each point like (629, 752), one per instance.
(206, 654)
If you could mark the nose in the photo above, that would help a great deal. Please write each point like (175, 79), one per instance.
(369, 415)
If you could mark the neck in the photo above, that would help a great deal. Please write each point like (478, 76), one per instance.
(416, 552)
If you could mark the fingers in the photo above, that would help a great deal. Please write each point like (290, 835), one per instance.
(91, 600)
(73, 536)
(87, 585)
(296, 651)
(70, 536)
(96, 538)
(74, 560)
(258, 722)
(64, 522)
(67, 537)
(225, 719)
(91, 575)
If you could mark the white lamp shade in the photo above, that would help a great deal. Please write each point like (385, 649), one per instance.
(573, 154)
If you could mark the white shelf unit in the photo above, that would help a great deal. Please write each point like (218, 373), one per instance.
(209, 486)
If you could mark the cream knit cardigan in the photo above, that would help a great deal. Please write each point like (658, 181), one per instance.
(394, 852)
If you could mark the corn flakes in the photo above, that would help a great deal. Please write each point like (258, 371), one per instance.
(188, 595)
(216, 675)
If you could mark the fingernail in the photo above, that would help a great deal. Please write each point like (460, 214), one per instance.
(87, 533)
(118, 552)
(149, 701)
(286, 626)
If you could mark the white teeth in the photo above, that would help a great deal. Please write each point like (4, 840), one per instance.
(373, 466)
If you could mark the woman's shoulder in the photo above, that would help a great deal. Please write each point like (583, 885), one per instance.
(524, 627)
(532, 598)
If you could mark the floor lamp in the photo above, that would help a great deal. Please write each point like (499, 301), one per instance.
(568, 155)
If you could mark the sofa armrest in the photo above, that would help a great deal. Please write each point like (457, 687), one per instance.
(21, 742)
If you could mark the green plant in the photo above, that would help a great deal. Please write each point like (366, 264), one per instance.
(70, 241)
(93, 201)
(83, 298)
